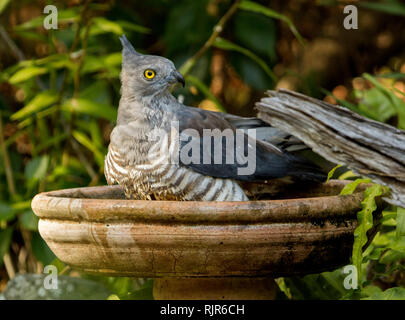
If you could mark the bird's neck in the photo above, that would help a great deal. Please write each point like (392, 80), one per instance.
(146, 107)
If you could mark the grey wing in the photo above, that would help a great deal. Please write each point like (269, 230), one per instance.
(265, 132)
(269, 161)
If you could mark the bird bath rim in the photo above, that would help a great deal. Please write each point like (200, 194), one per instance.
(106, 203)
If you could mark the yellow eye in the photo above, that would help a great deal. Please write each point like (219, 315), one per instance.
(149, 74)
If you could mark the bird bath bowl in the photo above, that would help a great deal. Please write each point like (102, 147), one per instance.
(201, 250)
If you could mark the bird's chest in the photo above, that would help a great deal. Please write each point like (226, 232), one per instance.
(141, 165)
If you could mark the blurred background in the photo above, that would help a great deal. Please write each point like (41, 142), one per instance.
(59, 92)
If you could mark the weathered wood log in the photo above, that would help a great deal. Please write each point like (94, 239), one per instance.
(367, 147)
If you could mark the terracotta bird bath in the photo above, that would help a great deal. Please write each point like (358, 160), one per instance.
(201, 250)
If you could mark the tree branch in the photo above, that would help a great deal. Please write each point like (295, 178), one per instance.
(219, 27)
(368, 147)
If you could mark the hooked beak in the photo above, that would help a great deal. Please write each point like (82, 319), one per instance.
(177, 77)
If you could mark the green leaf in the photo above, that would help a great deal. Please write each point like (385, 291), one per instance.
(227, 45)
(102, 25)
(393, 75)
(3, 5)
(92, 64)
(95, 133)
(91, 108)
(41, 250)
(98, 92)
(377, 104)
(396, 102)
(347, 104)
(36, 168)
(395, 293)
(143, 293)
(255, 7)
(113, 59)
(133, 27)
(29, 220)
(38, 103)
(31, 35)
(52, 141)
(331, 173)
(398, 244)
(400, 230)
(390, 7)
(347, 174)
(256, 32)
(370, 291)
(205, 90)
(351, 187)
(84, 140)
(6, 212)
(22, 205)
(327, 285)
(393, 256)
(5, 240)
(365, 223)
(26, 73)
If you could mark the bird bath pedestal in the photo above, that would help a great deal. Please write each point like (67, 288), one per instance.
(201, 250)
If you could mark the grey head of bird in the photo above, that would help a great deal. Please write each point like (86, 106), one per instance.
(145, 75)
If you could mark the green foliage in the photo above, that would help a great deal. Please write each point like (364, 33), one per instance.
(36, 168)
(5, 240)
(332, 172)
(38, 103)
(255, 7)
(90, 108)
(26, 74)
(29, 221)
(400, 231)
(41, 250)
(326, 286)
(3, 5)
(365, 220)
(351, 187)
(388, 6)
(389, 294)
(126, 288)
(257, 33)
(392, 105)
(6, 212)
(227, 45)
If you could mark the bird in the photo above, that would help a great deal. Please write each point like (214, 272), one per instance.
(150, 119)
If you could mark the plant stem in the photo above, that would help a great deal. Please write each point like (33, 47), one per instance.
(219, 27)
(9, 266)
(14, 49)
(74, 46)
(83, 159)
(7, 164)
(81, 61)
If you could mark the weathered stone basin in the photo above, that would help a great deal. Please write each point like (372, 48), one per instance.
(97, 230)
